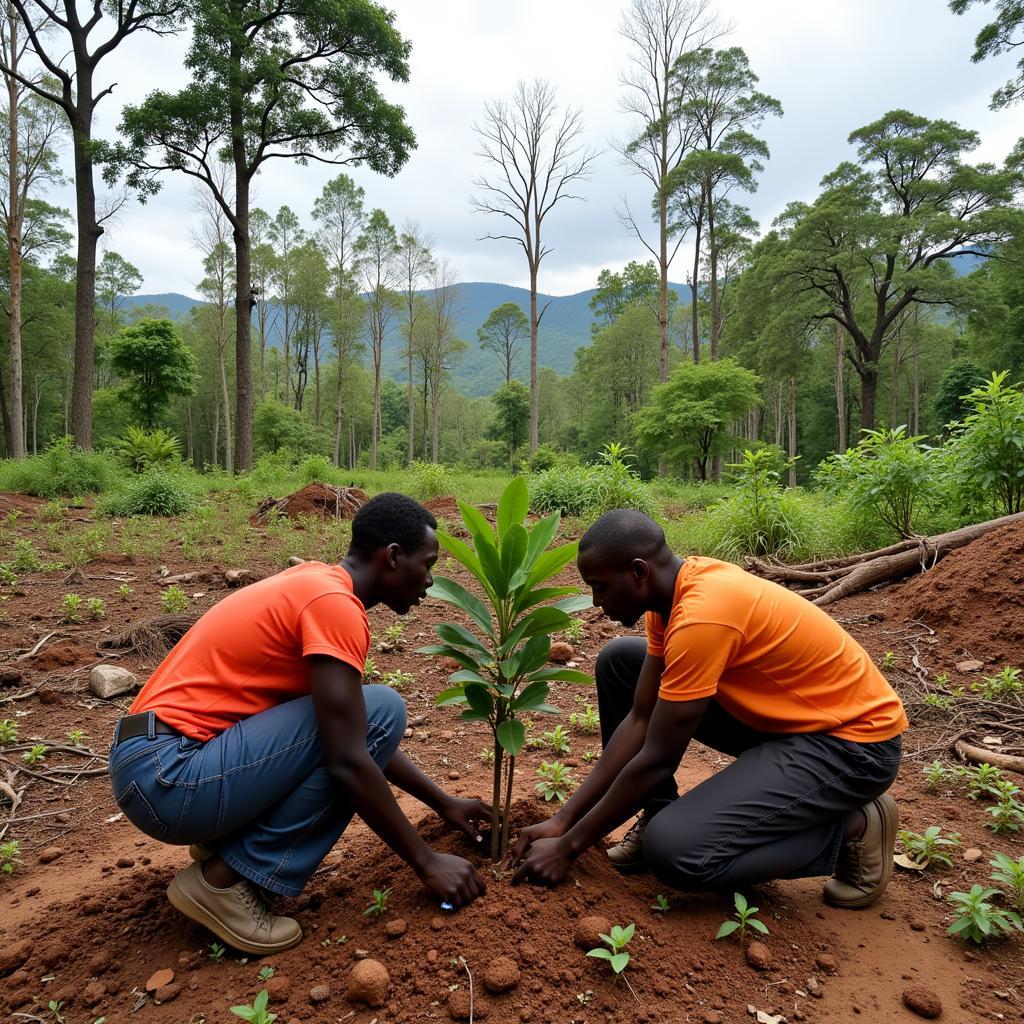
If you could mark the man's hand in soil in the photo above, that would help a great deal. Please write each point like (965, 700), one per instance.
(547, 862)
(465, 815)
(550, 829)
(452, 879)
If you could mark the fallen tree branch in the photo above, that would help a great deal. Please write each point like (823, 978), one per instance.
(839, 578)
(978, 755)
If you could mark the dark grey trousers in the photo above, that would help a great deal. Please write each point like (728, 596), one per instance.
(776, 812)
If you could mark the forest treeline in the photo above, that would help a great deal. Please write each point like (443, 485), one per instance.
(878, 303)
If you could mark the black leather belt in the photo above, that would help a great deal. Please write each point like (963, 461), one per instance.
(138, 725)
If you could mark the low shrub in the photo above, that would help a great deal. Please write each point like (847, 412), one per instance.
(154, 493)
(63, 470)
(586, 492)
(315, 469)
(141, 449)
(431, 480)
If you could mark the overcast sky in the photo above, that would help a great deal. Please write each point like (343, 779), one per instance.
(834, 66)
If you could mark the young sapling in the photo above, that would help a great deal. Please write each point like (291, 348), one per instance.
(744, 918)
(1007, 683)
(1010, 873)
(936, 774)
(888, 660)
(173, 601)
(977, 918)
(983, 780)
(96, 608)
(660, 904)
(393, 637)
(1008, 813)
(257, 1013)
(217, 952)
(378, 906)
(75, 737)
(557, 739)
(397, 680)
(9, 859)
(556, 781)
(36, 755)
(575, 631)
(69, 608)
(928, 847)
(56, 1007)
(8, 731)
(586, 720)
(617, 955)
(124, 591)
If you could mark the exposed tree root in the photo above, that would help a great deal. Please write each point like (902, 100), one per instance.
(833, 579)
(152, 638)
(979, 755)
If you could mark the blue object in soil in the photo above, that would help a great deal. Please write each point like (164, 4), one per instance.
(447, 906)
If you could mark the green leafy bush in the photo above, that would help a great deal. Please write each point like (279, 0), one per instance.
(431, 480)
(587, 492)
(154, 493)
(142, 449)
(62, 470)
(315, 468)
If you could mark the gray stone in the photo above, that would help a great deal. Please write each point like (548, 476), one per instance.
(108, 681)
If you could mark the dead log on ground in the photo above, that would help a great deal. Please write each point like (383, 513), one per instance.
(979, 755)
(832, 579)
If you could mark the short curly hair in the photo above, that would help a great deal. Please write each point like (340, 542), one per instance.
(621, 535)
(390, 518)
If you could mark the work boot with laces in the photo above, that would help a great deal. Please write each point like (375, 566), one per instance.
(237, 915)
(627, 856)
(865, 863)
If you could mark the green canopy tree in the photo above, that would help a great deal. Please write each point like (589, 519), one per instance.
(296, 81)
(638, 282)
(512, 422)
(1003, 35)
(688, 418)
(156, 365)
(116, 281)
(505, 327)
(879, 238)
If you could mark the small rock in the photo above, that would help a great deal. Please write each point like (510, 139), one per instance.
(502, 974)
(827, 963)
(159, 978)
(561, 652)
(923, 1001)
(454, 776)
(970, 666)
(971, 958)
(279, 988)
(9, 676)
(240, 577)
(972, 855)
(431, 956)
(813, 987)
(395, 928)
(887, 916)
(713, 1017)
(93, 993)
(589, 929)
(917, 924)
(108, 681)
(99, 964)
(447, 734)
(437, 923)
(319, 994)
(361, 954)
(167, 993)
(758, 956)
(368, 983)
(51, 853)
(458, 1006)
(125, 862)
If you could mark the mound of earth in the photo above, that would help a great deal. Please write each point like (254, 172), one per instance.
(975, 596)
(324, 501)
(444, 508)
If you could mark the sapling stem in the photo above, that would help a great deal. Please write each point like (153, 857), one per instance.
(462, 960)
(499, 757)
(508, 805)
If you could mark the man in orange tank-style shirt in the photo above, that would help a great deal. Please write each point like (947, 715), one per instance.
(254, 741)
(749, 669)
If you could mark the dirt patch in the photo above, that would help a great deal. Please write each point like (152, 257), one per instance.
(316, 499)
(58, 656)
(444, 508)
(975, 596)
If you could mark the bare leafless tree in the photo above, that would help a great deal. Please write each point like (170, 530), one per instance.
(660, 31)
(416, 262)
(444, 347)
(536, 155)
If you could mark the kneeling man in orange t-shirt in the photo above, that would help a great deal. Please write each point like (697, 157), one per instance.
(752, 670)
(255, 742)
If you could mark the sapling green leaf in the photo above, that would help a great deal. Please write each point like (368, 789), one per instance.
(744, 919)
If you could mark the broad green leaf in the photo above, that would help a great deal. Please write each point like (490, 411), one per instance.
(545, 709)
(512, 735)
(529, 599)
(551, 562)
(513, 550)
(534, 654)
(453, 593)
(600, 954)
(491, 562)
(453, 695)
(474, 716)
(459, 636)
(564, 675)
(535, 693)
(619, 962)
(624, 934)
(727, 928)
(465, 676)
(575, 604)
(739, 901)
(542, 534)
(540, 620)
(475, 522)
(462, 552)
(452, 652)
(759, 926)
(512, 505)
(479, 699)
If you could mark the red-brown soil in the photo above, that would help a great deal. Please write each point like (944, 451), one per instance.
(323, 501)
(93, 925)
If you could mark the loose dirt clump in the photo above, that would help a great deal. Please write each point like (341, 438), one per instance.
(444, 508)
(975, 596)
(323, 501)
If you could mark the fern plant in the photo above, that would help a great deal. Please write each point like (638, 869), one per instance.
(503, 674)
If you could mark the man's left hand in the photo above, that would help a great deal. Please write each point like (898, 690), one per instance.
(466, 816)
(548, 862)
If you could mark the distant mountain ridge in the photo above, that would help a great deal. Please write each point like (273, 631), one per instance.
(564, 328)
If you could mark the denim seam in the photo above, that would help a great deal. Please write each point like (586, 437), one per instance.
(258, 878)
(286, 857)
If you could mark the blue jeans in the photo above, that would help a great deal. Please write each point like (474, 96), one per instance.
(259, 794)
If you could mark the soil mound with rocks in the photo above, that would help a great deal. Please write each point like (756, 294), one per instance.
(975, 597)
(323, 501)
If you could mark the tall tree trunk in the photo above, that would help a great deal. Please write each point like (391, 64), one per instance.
(15, 437)
(792, 431)
(5, 413)
(378, 344)
(868, 396)
(778, 415)
(534, 404)
(841, 387)
(694, 285)
(189, 440)
(316, 376)
(915, 408)
(435, 422)
(410, 400)
(662, 282)
(713, 261)
(229, 463)
(85, 274)
(215, 445)
(337, 419)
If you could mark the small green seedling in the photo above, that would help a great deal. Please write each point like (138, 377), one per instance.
(977, 919)
(586, 721)
(982, 780)
(1008, 813)
(487, 755)
(888, 660)
(124, 591)
(75, 737)
(9, 859)
(744, 918)
(56, 1006)
(1007, 683)
(590, 755)
(217, 952)
(266, 973)
(70, 604)
(936, 774)
(398, 679)
(7, 575)
(942, 679)
(37, 755)
(928, 847)
(1010, 873)
(617, 955)
(370, 670)
(378, 906)
(556, 781)
(8, 731)
(660, 904)
(575, 631)
(557, 739)
(257, 1013)
(942, 701)
(96, 608)
(393, 637)
(173, 601)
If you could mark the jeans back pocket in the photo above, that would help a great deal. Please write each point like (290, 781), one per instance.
(139, 811)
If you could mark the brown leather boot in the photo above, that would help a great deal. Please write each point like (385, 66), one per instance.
(237, 915)
(627, 856)
(865, 863)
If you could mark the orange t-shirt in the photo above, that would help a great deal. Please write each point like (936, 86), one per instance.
(769, 657)
(248, 652)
